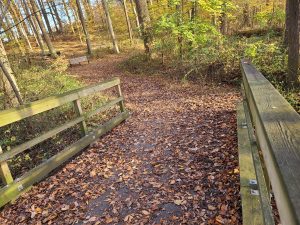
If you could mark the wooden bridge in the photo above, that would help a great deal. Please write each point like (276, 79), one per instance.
(268, 139)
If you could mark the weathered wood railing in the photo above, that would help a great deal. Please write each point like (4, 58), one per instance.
(269, 151)
(16, 186)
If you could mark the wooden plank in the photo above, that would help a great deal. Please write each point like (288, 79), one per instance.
(251, 208)
(104, 107)
(18, 149)
(277, 127)
(5, 173)
(122, 106)
(79, 112)
(38, 173)
(12, 115)
(264, 193)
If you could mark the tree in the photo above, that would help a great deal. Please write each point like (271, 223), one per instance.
(34, 26)
(43, 29)
(84, 27)
(68, 16)
(293, 42)
(144, 20)
(61, 27)
(8, 81)
(110, 26)
(44, 13)
(127, 21)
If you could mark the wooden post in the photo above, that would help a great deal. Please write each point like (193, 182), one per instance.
(122, 106)
(5, 173)
(78, 110)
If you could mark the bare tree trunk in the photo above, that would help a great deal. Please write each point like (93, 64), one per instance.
(223, 19)
(86, 33)
(34, 26)
(68, 16)
(144, 19)
(293, 43)
(287, 23)
(136, 17)
(8, 81)
(43, 29)
(14, 35)
(20, 28)
(61, 27)
(110, 26)
(128, 21)
(77, 23)
(44, 13)
(52, 15)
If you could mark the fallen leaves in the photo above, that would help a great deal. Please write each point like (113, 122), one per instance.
(175, 162)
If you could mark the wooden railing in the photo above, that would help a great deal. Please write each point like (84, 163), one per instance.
(273, 128)
(16, 186)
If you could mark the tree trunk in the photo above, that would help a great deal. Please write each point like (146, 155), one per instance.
(34, 26)
(43, 29)
(52, 15)
(16, 18)
(223, 19)
(61, 27)
(77, 23)
(8, 81)
(84, 27)
(110, 26)
(127, 21)
(44, 13)
(136, 17)
(68, 16)
(144, 19)
(293, 43)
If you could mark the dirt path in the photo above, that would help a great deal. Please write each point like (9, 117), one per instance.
(174, 161)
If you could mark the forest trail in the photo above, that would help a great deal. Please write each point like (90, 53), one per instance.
(174, 161)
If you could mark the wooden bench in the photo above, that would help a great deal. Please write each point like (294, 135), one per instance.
(78, 60)
(14, 187)
(269, 151)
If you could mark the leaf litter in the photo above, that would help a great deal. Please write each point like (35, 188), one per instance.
(174, 161)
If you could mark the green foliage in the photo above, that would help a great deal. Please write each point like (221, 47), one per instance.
(40, 81)
(274, 17)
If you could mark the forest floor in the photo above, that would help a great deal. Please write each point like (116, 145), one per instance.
(174, 161)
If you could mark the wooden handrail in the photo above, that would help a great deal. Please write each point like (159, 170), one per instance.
(14, 187)
(277, 129)
(13, 115)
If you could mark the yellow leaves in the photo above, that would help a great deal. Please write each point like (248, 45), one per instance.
(128, 218)
(93, 173)
(179, 202)
(236, 171)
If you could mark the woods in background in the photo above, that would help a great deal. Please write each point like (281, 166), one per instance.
(190, 31)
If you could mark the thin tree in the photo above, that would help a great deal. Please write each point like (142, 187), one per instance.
(34, 26)
(52, 14)
(8, 81)
(84, 27)
(144, 19)
(110, 26)
(127, 21)
(45, 16)
(61, 27)
(43, 29)
(293, 43)
(68, 15)
(136, 17)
